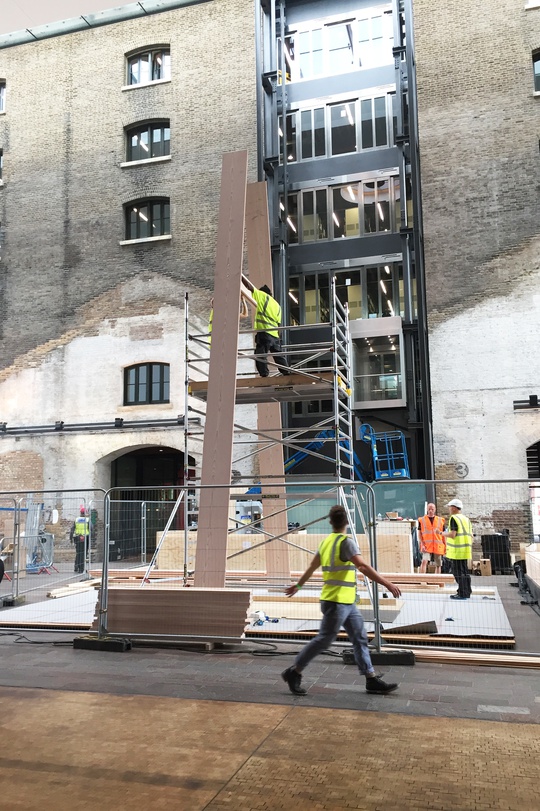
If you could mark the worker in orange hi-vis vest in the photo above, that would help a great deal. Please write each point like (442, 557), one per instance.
(430, 533)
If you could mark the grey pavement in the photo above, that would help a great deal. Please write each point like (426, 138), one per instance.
(251, 673)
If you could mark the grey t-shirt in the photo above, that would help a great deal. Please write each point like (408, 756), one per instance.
(348, 549)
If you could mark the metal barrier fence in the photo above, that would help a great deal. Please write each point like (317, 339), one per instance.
(150, 551)
(47, 569)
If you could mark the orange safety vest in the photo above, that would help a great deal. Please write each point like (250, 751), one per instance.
(431, 535)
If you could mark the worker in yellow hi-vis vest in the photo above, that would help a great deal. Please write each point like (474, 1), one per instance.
(339, 557)
(267, 322)
(80, 535)
(459, 538)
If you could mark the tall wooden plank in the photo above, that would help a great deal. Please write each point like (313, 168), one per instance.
(210, 560)
(268, 414)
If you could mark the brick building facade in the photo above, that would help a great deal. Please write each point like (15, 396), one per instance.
(81, 296)
(479, 128)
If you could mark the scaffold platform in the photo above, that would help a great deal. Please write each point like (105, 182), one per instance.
(277, 388)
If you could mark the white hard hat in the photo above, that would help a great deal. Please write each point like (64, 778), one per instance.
(456, 502)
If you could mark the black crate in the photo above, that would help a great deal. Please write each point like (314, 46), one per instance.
(496, 547)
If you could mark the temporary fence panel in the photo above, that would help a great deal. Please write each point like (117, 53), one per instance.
(474, 602)
(255, 605)
(9, 548)
(53, 587)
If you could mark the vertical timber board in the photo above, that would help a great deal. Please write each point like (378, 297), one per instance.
(211, 557)
(268, 414)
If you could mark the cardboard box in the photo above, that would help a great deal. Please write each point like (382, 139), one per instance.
(431, 568)
(485, 567)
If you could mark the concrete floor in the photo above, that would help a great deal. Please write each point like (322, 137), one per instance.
(182, 729)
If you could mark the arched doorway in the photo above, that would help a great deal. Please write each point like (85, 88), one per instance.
(139, 511)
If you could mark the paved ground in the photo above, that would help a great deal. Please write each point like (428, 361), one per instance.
(180, 729)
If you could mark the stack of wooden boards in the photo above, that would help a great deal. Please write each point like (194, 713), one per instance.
(157, 610)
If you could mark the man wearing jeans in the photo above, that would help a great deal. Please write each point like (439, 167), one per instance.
(339, 557)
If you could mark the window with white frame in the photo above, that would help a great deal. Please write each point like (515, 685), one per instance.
(341, 128)
(352, 209)
(148, 218)
(327, 47)
(2, 96)
(149, 65)
(146, 141)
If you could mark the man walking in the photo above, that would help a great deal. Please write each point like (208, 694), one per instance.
(459, 538)
(339, 557)
(267, 321)
(430, 533)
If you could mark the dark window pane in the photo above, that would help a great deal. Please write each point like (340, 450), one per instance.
(308, 217)
(292, 218)
(291, 138)
(144, 222)
(322, 215)
(343, 129)
(367, 125)
(381, 138)
(318, 126)
(306, 134)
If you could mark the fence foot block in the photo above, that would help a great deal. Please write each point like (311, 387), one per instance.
(107, 643)
(386, 658)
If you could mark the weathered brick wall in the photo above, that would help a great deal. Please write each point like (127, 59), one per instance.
(63, 142)
(75, 305)
(479, 126)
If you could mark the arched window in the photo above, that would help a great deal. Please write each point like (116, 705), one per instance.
(146, 141)
(146, 383)
(148, 218)
(149, 65)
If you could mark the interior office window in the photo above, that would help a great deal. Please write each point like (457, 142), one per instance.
(536, 69)
(148, 218)
(349, 291)
(2, 96)
(345, 211)
(146, 383)
(148, 141)
(376, 195)
(374, 122)
(149, 66)
(314, 215)
(312, 134)
(294, 301)
(290, 217)
(343, 128)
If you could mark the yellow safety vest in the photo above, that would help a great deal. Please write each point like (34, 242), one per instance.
(460, 547)
(268, 315)
(339, 578)
(81, 526)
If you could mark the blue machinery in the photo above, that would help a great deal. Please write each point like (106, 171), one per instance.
(388, 452)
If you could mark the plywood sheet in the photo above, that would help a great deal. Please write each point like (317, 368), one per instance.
(218, 430)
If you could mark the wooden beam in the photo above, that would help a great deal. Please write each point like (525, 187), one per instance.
(210, 561)
(268, 414)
